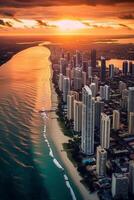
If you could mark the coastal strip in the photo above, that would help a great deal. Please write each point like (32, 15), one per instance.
(58, 138)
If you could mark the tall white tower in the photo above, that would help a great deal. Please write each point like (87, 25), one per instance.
(116, 119)
(105, 131)
(101, 161)
(87, 139)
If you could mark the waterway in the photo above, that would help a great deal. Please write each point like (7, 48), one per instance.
(30, 168)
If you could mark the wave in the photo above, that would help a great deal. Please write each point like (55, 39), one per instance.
(58, 165)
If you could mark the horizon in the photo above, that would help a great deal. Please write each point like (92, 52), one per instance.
(66, 18)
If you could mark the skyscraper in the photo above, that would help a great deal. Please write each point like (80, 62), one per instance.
(77, 116)
(77, 80)
(93, 58)
(124, 100)
(89, 72)
(101, 161)
(119, 186)
(125, 67)
(105, 92)
(111, 71)
(63, 65)
(79, 59)
(131, 177)
(61, 76)
(131, 123)
(103, 69)
(99, 107)
(93, 89)
(122, 86)
(105, 131)
(96, 81)
(87, 139)
(66, 88)
(130, 100)
(116, 119)
(84, 78)
(72, 95)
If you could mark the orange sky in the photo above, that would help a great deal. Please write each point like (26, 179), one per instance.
(90, 17)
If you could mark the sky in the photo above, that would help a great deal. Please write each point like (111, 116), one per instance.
(66, 17)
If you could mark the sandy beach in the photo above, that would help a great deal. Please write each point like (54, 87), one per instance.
(58, 139)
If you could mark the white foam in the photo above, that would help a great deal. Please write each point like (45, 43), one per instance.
(51, 153)
(57, 164)
(44, 116)
(71, 190)
(65, 177)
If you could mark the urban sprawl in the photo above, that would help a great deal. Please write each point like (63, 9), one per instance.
(96, 109)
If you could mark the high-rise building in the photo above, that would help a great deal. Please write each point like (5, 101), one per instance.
(116, 119)
(96, 81)
(131, 99)
(89, 72)
(93, 89)
(102, 92)
(87, 138)
(103, 69)
(101, 161)
(61, 76)
(131, 123)
(122, 86)
(119, 186)
(111, 71)
(85, 66)
(72, 95)
(79, 59)
(68, 57)
(131, 68)
(77, 116)
(66, 88)
(131, 177)
(99, 107)
(124, 100)
(105, 92)
(84, 78)
(125, 67)
(93, 58)
(70, 106)
(105, 131)
(68, 72)
(63, 66)
(77, 79)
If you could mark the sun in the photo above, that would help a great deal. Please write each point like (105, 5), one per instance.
(69, 26)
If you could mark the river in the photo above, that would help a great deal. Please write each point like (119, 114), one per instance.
(27, 168)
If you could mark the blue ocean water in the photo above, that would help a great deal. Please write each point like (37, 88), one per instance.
(29, 169)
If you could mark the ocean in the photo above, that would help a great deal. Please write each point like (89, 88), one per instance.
(30, 169)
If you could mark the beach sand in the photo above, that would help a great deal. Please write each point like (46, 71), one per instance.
(58, 138)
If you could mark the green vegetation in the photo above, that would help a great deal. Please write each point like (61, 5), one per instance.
(65, 130)
(69, 150)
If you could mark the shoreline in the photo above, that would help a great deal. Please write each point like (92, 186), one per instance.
(58, 138)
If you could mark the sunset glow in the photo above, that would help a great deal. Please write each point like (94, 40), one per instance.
(69, 25)
(63, 17)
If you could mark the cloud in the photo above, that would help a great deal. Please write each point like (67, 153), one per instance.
(5, 24)
(127, 16)
(125, 26)
(33, 3)
(93, 24)
(42, 23)
(7, 13)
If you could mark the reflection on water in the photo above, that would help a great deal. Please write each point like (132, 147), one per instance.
(23, 83)
(27, 169)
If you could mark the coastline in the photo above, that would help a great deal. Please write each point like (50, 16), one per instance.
(58, 138)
